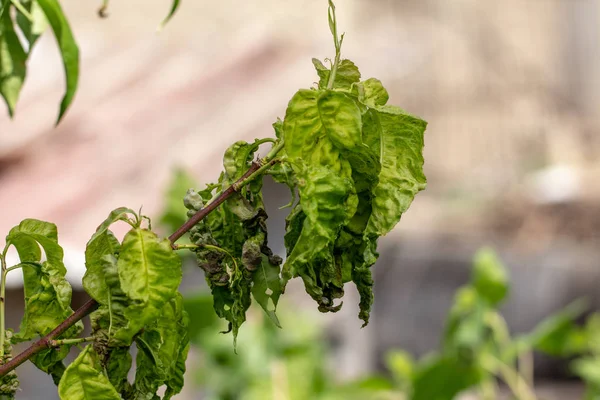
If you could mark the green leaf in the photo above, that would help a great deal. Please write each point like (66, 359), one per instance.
(68, 50)
(324, 198)
(118, 366)
(149, 274)
(237, 159)
(267, 287)
(12, 62)
(100, 256)
(442, 378)
(165, 343)
(84, 380)
(490, 277)
(558, 335)
(371, 93)
(149, 269)
(50, 362)
(401, 365)
(398, 138)
(47, 292)
(346, 75)
(588, 369)
(318, 125)
(202, 315)
(118, 214)
(174, 7)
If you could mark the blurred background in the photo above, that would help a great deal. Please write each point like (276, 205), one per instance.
(511, 91)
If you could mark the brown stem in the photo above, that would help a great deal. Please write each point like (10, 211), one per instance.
(44, 342)
(200, 215)
(92, 305)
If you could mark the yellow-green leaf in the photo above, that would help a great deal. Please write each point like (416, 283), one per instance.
(84, 379)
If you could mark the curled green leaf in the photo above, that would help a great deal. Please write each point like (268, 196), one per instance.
(12, 61)
(68, 50)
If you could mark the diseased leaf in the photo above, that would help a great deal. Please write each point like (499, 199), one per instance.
(319, 125)
(12, 62)
(118, 214)
(68, 50)
(47, 292)
(371, 93)
(149, 273)
(101, 279)
(237, 159)
(84, 380)
(267, 287)
(167, 341)
(398, 138)
(117, 367)
(324, 197)
(50, 362)
(347, 74)
(149, 269)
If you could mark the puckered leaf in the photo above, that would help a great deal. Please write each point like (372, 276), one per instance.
(371, 92)
(12, 60)
(50, 361)
(84, 379)
(47, 292)
(161, 360)
(324, 198)
(100, 251)
(68, 49)
(149, 269)
(398, 138)
(319, 126)
(347, 74)
(117, 367)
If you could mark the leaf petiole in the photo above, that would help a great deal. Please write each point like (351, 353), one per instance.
(337, 41)
(3, 297)
(185, 246)
(61, 342)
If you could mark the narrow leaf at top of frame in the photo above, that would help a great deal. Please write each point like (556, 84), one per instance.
(68, 49)
(12, 61)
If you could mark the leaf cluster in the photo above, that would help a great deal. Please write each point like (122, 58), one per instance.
(135, 283)
(353, 165)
